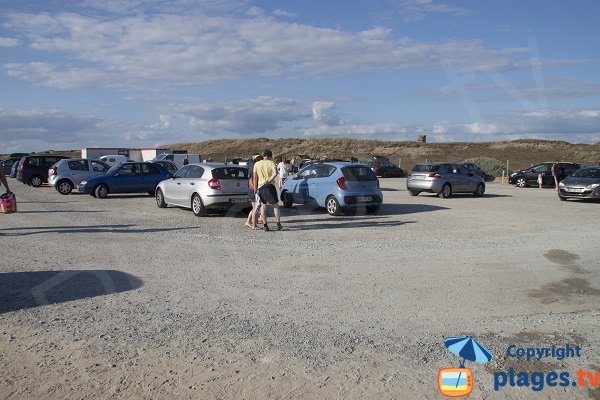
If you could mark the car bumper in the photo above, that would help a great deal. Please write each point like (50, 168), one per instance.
(350, 200)
(226, 200)
(579, 193)
(85, 189)
(425, 185)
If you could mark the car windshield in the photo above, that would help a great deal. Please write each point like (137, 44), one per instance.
(358, 173)
(426, 168)
(113, 170)
(587, 173)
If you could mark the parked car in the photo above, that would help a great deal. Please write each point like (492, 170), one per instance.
(201, 187)
(337, 186)
(130, 177)
(66, 174)
(13, 170)
(529, 176)
(114, 159)
(168, 165)
(583, 184)
(379, 158)
(474, 168)
(241, 161)
(33, 170)
(17, 156)
(178, 159)
(386, 169)
(445, 179)
(6, 165)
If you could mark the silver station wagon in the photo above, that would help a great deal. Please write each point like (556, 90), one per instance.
(445, 179)
(205, 186)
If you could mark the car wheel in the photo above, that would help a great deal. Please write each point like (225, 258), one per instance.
(333, 206)
(101, 191)
(446, 191)
(480, 190)
(36, 181)
(64, 187)
(160, 199)
(287, 200)
(372, 209)
(197, 206)
(521, 182)
(413, 192)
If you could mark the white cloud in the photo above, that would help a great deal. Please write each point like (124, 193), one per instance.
(283, 13)
(325, 112)
(51, 76)
(416, 10)
(8, 42)
(196, 48)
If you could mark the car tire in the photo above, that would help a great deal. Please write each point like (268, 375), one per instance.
(446, 192)
(36, 181)
(197, 206)
(480, 190)
(333, 206)
(101, 191)
(160, 199)
(372, 209)
(521, 182)
(64, 187)
(414, 192)
(287, 200)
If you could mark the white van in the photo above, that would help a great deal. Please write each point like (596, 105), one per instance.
(179, 158)
(114, 159)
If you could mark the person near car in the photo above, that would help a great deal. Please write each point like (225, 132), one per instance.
(4, 181)
(250, 221)
(282, 172)
(556, 173)
(265, 173)
(186, 161)
(540, 179)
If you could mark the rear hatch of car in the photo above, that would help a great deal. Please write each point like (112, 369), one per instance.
(359, 178)
(423, 171)
(231, 180)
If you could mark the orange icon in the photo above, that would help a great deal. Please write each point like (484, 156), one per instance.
(455, 382)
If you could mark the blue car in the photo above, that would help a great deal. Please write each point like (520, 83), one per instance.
(337, 186)
(13, 169)
(131, 177)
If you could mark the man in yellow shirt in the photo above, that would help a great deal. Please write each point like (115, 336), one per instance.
(264, 176)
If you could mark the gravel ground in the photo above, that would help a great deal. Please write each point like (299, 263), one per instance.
(118, 299)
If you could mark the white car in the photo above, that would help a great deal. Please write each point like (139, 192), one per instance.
(205, 186)
(68, 173)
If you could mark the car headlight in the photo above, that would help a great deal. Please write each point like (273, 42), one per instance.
(83, 183)
(561, 184)
(593, 185)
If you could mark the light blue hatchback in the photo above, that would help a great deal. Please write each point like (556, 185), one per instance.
(337, 186)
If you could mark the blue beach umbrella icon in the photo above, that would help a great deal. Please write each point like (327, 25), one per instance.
(469, 349)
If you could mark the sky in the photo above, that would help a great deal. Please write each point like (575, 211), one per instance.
(143, 73)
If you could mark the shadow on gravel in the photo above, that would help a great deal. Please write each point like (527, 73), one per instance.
(60, 211)
(328, 223)
(464, 196)
(21, 290)
(26, 231)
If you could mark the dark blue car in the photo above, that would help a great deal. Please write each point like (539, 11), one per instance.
(131, 177)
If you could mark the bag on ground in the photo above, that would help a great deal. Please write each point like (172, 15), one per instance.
(8, 203)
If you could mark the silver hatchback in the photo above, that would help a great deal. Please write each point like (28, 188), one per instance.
(205, 186)
(68, 173)
(445, 179)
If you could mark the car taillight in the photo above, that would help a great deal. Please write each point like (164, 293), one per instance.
(342, 183)
(434, 176)
(214, 184)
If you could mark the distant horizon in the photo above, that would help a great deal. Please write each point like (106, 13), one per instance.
(133, 72)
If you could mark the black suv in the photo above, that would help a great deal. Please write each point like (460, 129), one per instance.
(386, 169)
(33, 170)
(529, 176)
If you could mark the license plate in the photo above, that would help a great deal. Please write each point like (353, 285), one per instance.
(575, 190)
(238, 200)
(364, 198)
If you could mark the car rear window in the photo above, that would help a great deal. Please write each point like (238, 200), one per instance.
(426, 168)
(230, 173)
(358, 173)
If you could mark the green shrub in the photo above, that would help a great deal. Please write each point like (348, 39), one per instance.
(489, 165)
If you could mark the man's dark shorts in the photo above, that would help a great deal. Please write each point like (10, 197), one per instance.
(268, 194)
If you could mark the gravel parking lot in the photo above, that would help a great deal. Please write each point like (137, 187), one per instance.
(117, 298)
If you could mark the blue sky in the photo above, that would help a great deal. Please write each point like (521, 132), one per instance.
(141, 73)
